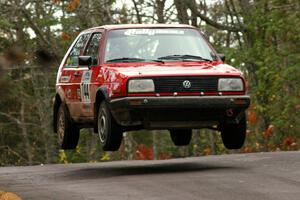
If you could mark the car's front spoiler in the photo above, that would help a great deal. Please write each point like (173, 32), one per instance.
(130, 111)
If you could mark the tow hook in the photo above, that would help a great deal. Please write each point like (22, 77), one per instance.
(229, 113)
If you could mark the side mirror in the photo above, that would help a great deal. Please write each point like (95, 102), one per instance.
(221, 56)
(85, 61)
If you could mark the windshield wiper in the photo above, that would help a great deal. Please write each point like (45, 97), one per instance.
(184, 57)
(127, 59)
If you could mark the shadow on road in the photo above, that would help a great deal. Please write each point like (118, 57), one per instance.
(141, 169)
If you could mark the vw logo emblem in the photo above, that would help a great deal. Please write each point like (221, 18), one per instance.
(187, 84)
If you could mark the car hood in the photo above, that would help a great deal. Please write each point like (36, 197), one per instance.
(174, 69)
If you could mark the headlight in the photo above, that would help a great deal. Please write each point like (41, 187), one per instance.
(140, 85)
(230, 84)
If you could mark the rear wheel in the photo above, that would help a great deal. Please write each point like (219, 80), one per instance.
(181, 137)
(110, 133)
(233, 135)
(68, 133)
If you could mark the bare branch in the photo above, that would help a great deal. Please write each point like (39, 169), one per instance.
(139, 18)
(11, 118)
(193, 7)
(13, 152)
(17, 121)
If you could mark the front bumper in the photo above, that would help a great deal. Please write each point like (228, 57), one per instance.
(179, 111)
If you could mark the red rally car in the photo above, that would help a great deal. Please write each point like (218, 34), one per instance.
(118, 78)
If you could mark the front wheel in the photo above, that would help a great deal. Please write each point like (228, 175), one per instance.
(68, 133)
(110, 133)
(233, 135)
(181, 137)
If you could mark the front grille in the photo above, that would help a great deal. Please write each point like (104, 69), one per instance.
(175, 84)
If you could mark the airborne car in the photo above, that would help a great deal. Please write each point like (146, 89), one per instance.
(118, 78)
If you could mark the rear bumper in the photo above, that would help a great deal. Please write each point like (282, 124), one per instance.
(177, 112)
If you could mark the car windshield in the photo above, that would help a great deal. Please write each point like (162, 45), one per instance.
(166, 44)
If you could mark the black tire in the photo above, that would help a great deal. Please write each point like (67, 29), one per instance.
(181, 137)
(110, 133)
(234, 135)
(68, 133)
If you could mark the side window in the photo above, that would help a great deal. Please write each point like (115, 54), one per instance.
(93, 47)
(77, 50)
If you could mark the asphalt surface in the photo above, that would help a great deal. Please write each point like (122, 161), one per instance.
(241, 176)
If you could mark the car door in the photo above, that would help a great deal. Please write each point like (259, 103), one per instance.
(89, 74)
(71, 75)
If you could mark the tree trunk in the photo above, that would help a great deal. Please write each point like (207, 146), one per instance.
(182, 14)
(212, 142)
(155, 144)
(25, 134)
(42, 95)
(160, 6)
(128, 140)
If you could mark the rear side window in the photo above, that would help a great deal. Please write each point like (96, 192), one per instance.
(77, 50)
(93, 47)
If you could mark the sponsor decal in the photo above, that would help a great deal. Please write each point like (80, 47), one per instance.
(85, 86)
(65, 79)
(69, 93)
(153, 32)
(78, 93)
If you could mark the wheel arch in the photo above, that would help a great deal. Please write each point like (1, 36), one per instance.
(101, 95)
(57, 100)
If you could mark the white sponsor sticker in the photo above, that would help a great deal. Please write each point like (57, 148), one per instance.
(85, 86)
(153, 31)
(65, 79)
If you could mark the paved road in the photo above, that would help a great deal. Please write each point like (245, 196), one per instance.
(242, 176)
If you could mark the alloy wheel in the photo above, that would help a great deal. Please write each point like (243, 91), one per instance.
(102, 126)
